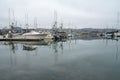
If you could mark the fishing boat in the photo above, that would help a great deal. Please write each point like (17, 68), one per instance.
(117, 34)
(37, 35)
(109, 34)
(31, 35)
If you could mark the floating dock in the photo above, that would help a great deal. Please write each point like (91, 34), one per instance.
(12, 39)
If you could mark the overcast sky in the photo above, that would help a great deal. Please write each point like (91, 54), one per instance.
(73, 13)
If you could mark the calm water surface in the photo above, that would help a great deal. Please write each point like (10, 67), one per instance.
(68, 60)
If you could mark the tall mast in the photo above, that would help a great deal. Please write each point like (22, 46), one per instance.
(35, 22)
(26, 21)
(61, 26)
(9, 17)
(55, 18)
(118, 21)
(13, 16)
(11, 25)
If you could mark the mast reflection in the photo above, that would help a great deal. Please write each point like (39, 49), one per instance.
(57, 47)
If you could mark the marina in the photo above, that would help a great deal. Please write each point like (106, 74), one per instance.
(59, 39)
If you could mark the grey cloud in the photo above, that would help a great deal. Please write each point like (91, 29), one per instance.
(77, 12)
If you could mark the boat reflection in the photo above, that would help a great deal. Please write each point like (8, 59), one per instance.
(39, 43)
(29, 47)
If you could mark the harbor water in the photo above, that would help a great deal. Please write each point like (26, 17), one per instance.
(81, 59)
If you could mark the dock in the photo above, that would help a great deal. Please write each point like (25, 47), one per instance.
(12, 39)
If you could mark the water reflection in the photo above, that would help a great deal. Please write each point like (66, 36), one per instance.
(13, 47)
(12, 55)
(116, 41)
(36, 59)
(58, 47)
(117, 50)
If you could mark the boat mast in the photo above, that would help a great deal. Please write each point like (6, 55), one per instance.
(26, 22)
(13, 22)
(13, 16)
(118, 15)
(55, 19)
(11, 26)
(9, 18)
(54, 28)
(35, 23)
(61, 26)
